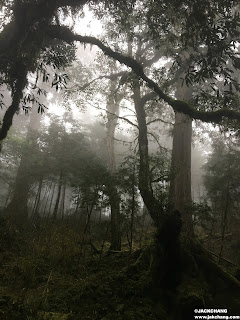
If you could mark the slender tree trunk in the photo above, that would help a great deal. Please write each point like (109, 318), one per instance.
(112, 120)
(77, 205)
(115, 220)
(55, 210)
(51, 201)
(47, 195)
(145, 187)
(144, 227)
(9, 195)
(112, 113)
(37, 201)
(132, 211)
(224, 220)
(89, 213)
(63, 199)
(180, 185)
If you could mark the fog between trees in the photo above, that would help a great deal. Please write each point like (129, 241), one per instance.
(130, 149)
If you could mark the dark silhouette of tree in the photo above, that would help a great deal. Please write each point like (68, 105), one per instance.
(210, 28)
(18, 206)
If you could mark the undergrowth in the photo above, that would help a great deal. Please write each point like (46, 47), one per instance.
(50, 272)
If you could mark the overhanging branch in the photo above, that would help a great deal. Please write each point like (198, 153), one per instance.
(67, 35)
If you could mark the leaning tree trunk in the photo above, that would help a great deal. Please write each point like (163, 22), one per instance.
(145, 187)
(112, 116)
(17, 207)
(180, 185)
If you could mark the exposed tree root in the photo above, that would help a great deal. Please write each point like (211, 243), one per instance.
(185, 278)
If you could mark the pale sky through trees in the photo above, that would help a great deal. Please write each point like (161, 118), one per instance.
(90, 26)
(129, 181)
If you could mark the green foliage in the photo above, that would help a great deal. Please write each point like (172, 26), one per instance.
(221, 177)
(209, 23)
(62, 148)
(160, 176)
(54, 275)
(221, 181)
(11, 309)
(53, 316)
(58, 55)
(127, 182)
(203, 214)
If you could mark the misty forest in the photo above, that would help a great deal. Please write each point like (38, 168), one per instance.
(119, 159)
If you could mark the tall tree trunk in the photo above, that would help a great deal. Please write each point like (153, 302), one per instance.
(37, 200)
(51, 201)
(63, 200)
(180, 185)
(112, 120)
(115, 219)
(55, 210)
(112, 114)
(132, 211)
(145, 187)
(225, 210)
(46, 197)
(17, 207)
(77, 204)
(88, 218)
(9, 195)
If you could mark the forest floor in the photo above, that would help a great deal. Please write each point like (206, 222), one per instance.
(50, 272)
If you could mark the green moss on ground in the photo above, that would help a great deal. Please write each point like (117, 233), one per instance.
(50, 272)
(54, 275)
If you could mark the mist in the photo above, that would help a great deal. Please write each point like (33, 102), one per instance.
(119, 160)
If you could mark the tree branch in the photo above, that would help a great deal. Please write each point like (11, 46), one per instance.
(128, 121)
(160, 120)
(112, 77)
(217, 116)
(155, 138)
(119, 117)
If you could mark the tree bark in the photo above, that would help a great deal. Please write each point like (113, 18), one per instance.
(112, 116)
(63, 200)
(180, 185)
(55, 210)
(51, 201)
(112, 120)
(132, 211)
(145, 187)
(35, 211)
(225, 211)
